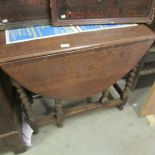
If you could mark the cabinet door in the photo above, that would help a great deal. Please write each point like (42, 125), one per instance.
(10, 126)
(65, 12)
(16, 13)
(5, 123)
(6, 115)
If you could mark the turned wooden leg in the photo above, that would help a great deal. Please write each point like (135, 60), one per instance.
(128, 86)
(104, 96)
(26, 105)
(59, 113)
(137, 73)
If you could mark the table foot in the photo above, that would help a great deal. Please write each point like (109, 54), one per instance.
(59, 113)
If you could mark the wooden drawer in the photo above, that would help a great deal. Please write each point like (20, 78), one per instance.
(101, 11)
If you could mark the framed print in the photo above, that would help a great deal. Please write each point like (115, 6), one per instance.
(80, 12)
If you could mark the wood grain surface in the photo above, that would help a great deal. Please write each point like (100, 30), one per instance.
(22, 13)
(93, 62)
(99, 12)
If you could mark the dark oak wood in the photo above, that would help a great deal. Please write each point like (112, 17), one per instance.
(26, 105)
(66, 12)
(88, 66)
(59, 113)
(21, 13)
(124, 95)
(10, 125)
(93, 62)
(146, 67)
(68, 112)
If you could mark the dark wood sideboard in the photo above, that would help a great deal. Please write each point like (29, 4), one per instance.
(21, 13)
(66, 12)
(10, 122)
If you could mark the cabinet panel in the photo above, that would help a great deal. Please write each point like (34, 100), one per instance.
(17, 13)
(66, 12)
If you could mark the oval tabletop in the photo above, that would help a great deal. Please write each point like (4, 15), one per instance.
(93, 62)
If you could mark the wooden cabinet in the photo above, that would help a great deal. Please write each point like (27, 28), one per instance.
(18, 13)
(101, 11)
(10, 126)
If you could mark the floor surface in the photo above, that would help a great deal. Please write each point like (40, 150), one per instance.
(104, 132)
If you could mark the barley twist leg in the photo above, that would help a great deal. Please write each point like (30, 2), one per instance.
(128, 86)
(59, 113)
(26, 105)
